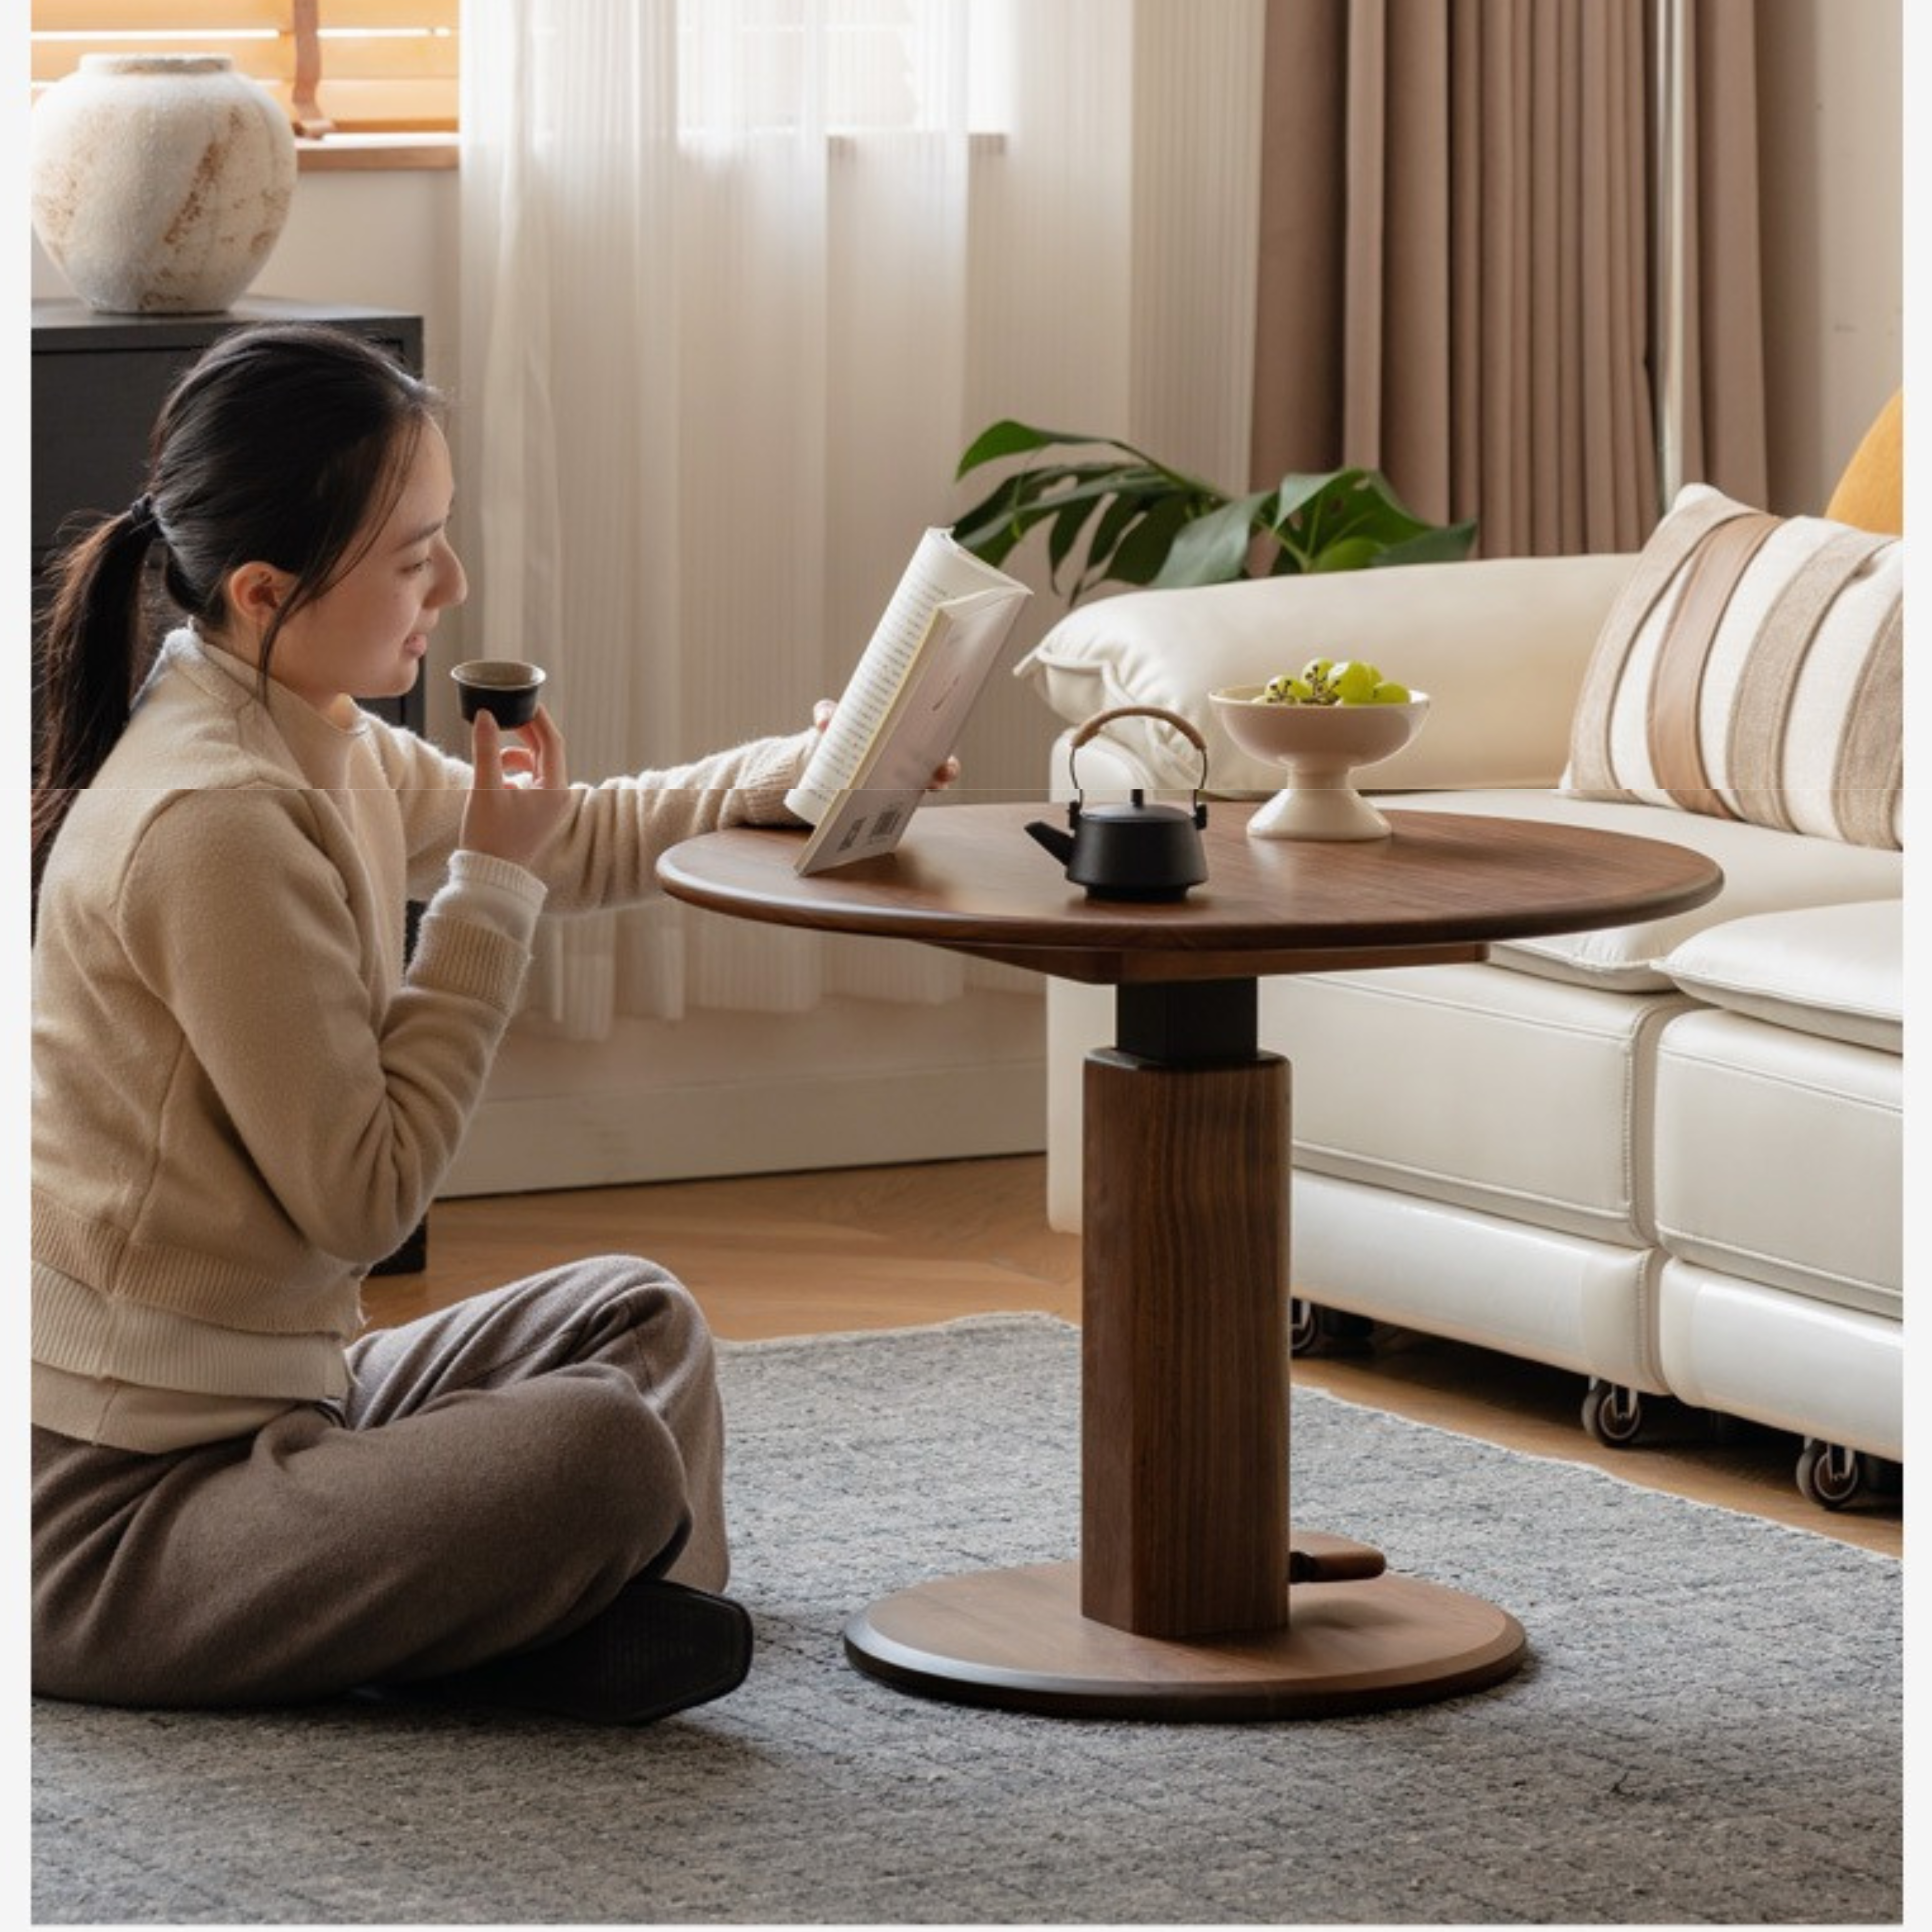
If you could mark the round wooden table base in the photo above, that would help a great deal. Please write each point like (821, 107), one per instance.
(1016, 1638)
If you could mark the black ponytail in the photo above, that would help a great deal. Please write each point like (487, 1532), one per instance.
(283, 445)
(94, 654)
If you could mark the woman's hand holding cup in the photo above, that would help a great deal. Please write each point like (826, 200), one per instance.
(520, 792)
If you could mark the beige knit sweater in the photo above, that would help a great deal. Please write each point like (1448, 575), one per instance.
(242, 1098)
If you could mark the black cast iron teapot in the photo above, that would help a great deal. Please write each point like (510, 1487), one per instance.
(1136, 850)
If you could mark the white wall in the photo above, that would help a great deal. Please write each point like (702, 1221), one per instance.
(1832, 81)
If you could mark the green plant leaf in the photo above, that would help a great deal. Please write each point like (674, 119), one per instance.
(1115, 520)
(1352, 518)
(1073, 482)
(1014, 502)
(1449, 544)
(1214, 548)
(1141, 553)
(1009, 438)
(1299, 488)
(1307, 507)
(992, 527)
(1143, 522)
(1370, 508)
(990, 513)
(993, 544)
(1351, 508)
(1344, 553)
(1052, 487)
(1076, 510)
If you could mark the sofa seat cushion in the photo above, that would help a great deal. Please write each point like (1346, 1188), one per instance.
(1779, 1159)
(1838, 971)
(1517, 1095)
(1764, 870)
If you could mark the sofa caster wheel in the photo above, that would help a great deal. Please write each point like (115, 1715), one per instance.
(1613, 1414)
(1828, 1474)
(1313, 1329)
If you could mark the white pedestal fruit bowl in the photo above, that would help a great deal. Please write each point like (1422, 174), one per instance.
(1320, 747)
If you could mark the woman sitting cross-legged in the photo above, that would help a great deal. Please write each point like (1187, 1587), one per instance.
(244, 1097)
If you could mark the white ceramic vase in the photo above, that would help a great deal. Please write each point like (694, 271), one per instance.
(160, 181)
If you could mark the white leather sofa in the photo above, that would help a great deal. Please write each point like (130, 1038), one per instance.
(1673, 1160)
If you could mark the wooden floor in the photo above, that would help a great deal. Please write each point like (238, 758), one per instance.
(888, 1247)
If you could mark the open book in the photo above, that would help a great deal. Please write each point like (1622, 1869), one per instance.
(906, 703)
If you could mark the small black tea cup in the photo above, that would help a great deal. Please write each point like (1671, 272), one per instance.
(504, 687)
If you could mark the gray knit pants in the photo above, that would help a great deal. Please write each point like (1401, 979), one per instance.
(499, 1471)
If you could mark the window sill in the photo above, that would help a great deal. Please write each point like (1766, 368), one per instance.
(342, 153)
(336, 153)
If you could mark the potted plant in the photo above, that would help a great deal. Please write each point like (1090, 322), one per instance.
(1144, 523)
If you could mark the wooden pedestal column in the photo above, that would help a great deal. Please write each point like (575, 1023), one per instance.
(1184, 1528)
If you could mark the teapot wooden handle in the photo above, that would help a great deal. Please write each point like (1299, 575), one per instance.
(1186, 729)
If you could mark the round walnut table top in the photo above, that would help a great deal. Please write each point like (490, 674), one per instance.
(1442, 886)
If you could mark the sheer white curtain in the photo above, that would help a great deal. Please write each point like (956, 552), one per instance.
(742, 278)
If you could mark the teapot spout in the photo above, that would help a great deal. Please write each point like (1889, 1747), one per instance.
(1060, 844)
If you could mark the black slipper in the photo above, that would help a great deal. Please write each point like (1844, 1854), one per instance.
(658, 1648)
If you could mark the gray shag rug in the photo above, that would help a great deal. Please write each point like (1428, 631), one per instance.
(1708, 1729)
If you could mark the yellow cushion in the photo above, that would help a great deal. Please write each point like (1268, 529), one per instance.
(1871, 494)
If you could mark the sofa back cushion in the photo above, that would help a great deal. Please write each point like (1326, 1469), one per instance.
(1499, 644)
(1753, 668)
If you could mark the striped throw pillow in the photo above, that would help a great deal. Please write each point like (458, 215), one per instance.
(1752, 667)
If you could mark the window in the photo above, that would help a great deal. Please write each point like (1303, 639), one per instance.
(355, 66)
(867, 66)
(375, 67)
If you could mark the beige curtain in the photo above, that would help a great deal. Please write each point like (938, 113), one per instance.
(742, 279)
(1463, 214)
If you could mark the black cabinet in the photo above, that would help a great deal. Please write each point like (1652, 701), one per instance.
(98, 384)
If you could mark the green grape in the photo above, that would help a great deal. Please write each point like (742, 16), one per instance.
(1316, 674)
(1286, 690)
(1323, 681)
(1355, 681)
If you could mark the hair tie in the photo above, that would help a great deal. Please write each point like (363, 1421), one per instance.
(142, 519)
